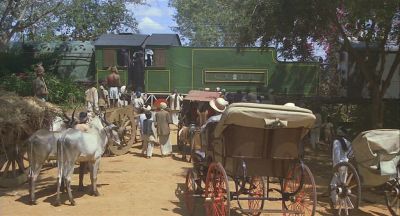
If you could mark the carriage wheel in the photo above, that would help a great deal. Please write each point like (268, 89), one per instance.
(123, 118)
(190, 192)
(217, 194)
(256, 190)
(299, 185)
(344, 189)
(392, 195)
(13, 165)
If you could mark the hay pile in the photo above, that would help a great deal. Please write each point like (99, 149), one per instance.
(21, 116)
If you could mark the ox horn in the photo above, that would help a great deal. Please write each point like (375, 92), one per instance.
(66, 116)
(105, 120)
(73, 116)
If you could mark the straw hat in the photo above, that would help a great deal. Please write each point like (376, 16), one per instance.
(147, 108)
(163, 105)
(123, 88)
(219, 104)
(289, 104)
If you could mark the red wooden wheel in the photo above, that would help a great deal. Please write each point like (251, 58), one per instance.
(300, 184)
(190, 189)
(217, 191)
(256, 191)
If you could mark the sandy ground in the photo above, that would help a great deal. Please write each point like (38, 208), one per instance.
(133, 185)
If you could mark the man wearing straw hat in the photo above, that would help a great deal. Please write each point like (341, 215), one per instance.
(39, 86)
(219, 105)
(162, 122)
(113, 82)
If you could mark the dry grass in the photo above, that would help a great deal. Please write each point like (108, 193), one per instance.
(21, 116)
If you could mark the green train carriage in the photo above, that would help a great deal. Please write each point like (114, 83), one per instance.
(187, 68)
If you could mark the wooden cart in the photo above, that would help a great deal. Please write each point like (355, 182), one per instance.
(374, 155)
(124, 118)
(259, 148)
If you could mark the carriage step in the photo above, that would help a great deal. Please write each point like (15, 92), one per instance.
(270, 211)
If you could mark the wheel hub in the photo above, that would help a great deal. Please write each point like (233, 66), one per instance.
(343, 191)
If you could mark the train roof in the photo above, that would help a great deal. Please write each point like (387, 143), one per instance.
(126, 40)
(163, 40)
(138, 40)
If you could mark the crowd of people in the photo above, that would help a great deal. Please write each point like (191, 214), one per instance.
(154, 126)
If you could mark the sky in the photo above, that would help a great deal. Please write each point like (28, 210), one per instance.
(155, 17)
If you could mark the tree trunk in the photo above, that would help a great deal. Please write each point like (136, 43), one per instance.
(377, 109)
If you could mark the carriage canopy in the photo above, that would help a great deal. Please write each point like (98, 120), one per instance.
(377, 154)
(196, 95)
(265, 116)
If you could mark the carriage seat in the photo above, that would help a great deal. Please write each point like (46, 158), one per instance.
(209, 135)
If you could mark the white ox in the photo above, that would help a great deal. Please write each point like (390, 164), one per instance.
(42, 146)
(75, 145)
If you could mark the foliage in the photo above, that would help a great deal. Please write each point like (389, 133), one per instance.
(204, 23)
(16, 16)
(72, 19)
(294, 26)
(358, 116)
(87, 19)
(60, 91)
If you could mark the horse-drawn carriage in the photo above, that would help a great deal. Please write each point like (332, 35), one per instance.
(374, 156)
(259, 148)
(194, 110)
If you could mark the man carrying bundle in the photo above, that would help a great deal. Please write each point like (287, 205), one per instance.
(39, 86)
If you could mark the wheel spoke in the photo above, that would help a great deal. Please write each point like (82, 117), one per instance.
(394, 201)
(349, 179)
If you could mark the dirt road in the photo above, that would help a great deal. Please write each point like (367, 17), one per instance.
(133, 185)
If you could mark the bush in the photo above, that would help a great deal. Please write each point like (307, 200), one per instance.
(62, 92)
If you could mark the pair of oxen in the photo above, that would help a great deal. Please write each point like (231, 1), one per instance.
(69, 146)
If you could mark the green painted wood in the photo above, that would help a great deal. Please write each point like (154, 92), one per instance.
(157, 81)
(197, 68)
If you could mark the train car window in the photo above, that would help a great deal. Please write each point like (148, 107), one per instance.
(159, 58)
(123, 57)
(109, 57)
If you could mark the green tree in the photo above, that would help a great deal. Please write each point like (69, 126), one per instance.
(204, 22)
(16, 16)
(69, 19)
(295, 25)
(88, 19)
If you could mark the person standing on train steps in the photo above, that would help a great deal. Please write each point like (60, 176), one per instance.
(162, 122)
(39, 85)
(175, 100)
(113, 82)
